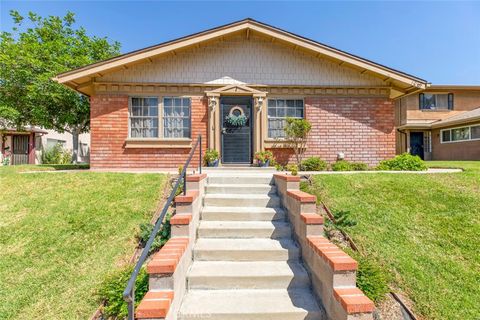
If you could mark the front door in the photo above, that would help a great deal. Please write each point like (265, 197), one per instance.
(236, 129)
(20, 149)
(416, 144)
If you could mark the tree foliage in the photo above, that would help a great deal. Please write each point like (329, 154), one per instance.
(296, 133)
(36, 50)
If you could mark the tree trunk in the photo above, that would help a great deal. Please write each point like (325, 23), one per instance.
(75, 134)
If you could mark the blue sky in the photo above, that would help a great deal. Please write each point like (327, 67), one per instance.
(436, 41)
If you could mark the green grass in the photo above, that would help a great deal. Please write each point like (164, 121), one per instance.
(61, 233)
(423, 229)
(465, 165)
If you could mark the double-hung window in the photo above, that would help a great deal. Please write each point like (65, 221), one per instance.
(437, 101)
(173, 121)
(176, 117)
(278, 111)
(144, 117)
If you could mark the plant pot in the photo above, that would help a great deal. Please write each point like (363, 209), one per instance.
(213, 163)
(263, 164)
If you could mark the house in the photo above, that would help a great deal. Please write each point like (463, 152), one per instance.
(441, 123)
(27, 145)
(149, 106)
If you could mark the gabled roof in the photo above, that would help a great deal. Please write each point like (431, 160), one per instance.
(81, 77)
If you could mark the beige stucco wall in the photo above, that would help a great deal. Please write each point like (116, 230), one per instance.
(463, 100)
(256, 60)
(84, 138)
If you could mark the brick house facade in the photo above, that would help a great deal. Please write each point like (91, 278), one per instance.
(148, 107)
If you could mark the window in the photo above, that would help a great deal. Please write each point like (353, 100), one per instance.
(430, 101)
(53, 142)
(460, 134)
(83, 149)
(278, 111)
(475, 132)
(176, 117)
(144, 117)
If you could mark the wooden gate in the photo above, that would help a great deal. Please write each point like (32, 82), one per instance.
(20, 149)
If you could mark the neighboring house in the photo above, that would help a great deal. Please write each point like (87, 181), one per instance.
(149, 106)
(26, 146)
(441, 123)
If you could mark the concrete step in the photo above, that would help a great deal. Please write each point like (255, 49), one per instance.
(250, 305)
(240, 178)
(240, 188)
(242, 200)
(244, 229)
(242, 214)
(245, 250)
(215, 275)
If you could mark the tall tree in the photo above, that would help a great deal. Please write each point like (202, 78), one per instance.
(34, 52)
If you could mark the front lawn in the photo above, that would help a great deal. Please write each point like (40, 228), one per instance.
(465, 165)
(61, 233)
(424, 229)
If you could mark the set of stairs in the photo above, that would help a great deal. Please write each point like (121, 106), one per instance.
(246, 264)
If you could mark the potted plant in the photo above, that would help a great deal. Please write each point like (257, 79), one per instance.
(211, 157)
(263, 158)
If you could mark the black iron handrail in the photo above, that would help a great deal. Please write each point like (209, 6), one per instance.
(129, 292)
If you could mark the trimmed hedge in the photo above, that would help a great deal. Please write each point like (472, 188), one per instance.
(313, 164)
(403, 162)
(344, 165)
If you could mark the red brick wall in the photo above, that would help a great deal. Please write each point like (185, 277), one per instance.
(109, 129)
(362, 128)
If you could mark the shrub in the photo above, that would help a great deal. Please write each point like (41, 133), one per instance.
(313, 164)
(403, 162)
(359, 166)
(293, 168)
(56, 155)
(210, 155)
(342, 165)
(371, 279)
(162, 237)
(111, 289)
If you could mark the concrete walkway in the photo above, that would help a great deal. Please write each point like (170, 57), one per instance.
(429, 171)
(248, 170)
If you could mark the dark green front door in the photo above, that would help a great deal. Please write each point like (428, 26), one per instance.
(236, 135)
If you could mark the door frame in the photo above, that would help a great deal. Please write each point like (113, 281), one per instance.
(252, 124)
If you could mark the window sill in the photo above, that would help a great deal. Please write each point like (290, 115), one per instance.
(146, 143)
(276, 143)
(436, 110)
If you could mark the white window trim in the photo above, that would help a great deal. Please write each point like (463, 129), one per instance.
(283, 98)
(159, 117)
(464, 140)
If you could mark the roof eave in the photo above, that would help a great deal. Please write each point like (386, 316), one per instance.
(149, 52)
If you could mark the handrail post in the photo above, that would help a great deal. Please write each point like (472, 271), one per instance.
(131, 305)
(184, 182)
(200, 156)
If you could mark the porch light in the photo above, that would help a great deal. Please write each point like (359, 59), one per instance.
(340, 156)
(212, 102)
(259, 103)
